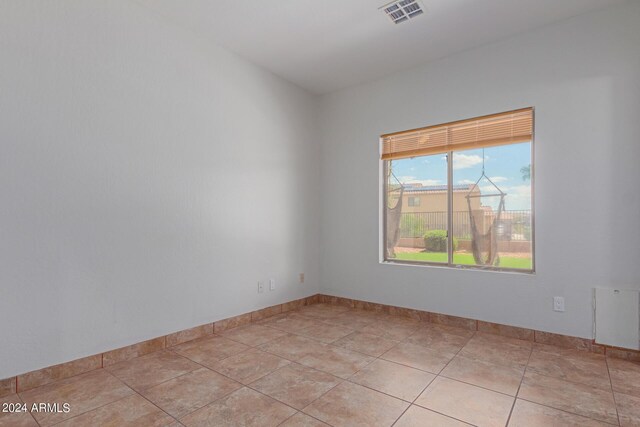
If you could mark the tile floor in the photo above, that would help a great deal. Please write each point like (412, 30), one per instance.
(327, 365)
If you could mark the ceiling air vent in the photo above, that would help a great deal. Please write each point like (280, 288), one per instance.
(403, 10)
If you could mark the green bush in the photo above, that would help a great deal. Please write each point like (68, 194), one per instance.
(436, 241)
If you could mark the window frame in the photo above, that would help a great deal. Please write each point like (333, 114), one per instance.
(383, 168)
(411, 202)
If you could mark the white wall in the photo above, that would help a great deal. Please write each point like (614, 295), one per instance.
(583, 78)
(146, 181)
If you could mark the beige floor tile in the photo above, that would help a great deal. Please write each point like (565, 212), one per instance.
(367, 314)
(47, 375)
(351, 319)
(290, 322)
(209, 350)
(592, 372)
(186, 393)
(244, 407)
(567, 352)
(453, 330)
(249, 365)
(439, 338)
(336, 361)
(83, 393)
(147, 371)
(503, 379)
(323, 311)
(417, 356)
(325, 332)
(294, 347)
(132, 411)
(303, 420)
(497, 353)
(371, 345)
(499, 340)
(401, 320)
(567, 396)
(628, 410)
(352, 405)
(253, 335)
(391, 378)
(466, 402)
(391, 330)
(506, 330)
(420, 417)
(15, 417)
(296, 385)
(625, 376)
(528, 414)
(332, 308)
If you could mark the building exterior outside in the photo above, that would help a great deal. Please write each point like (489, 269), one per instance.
(433, 198)
(424, 208)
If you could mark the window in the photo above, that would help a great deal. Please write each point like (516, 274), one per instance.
(468, 191)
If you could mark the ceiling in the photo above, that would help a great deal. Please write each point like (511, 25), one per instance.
(326, 45)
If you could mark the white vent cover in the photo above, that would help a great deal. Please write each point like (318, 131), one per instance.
(617, 317)
(403, 10)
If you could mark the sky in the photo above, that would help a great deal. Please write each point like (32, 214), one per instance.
(502, 165)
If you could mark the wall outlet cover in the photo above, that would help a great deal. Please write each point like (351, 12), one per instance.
(558, 303)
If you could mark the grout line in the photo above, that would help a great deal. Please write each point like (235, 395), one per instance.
(201, 366)
(97, 407)
(615, 403)
(524, 372)
(478, 386)
(341, 380)
(333, 301)
(30, 413)
(56, 380)
(439, 374)
(413, 403)
(144, 397)
(168, 414)
(567, 412)
(251, 388)
(570, 382)
(304, 414)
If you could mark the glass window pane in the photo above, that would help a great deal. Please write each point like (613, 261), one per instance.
(416, 209)
(492, 212)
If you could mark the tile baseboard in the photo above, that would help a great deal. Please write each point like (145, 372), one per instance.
(541, 337)
(40, 377)
(7, 386)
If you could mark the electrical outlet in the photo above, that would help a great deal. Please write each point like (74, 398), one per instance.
(272, 284)
(301, 277)
(260, 286)
(558, 303)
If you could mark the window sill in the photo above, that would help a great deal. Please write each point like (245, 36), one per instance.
(459, 267)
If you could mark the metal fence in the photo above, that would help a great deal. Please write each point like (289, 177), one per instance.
(514, 225)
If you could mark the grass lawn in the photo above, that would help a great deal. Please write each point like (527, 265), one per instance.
(463, 259)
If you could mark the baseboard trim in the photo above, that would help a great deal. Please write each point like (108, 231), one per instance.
(541, 337)
(40, 377)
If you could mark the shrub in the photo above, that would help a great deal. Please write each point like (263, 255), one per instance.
(436, 241)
